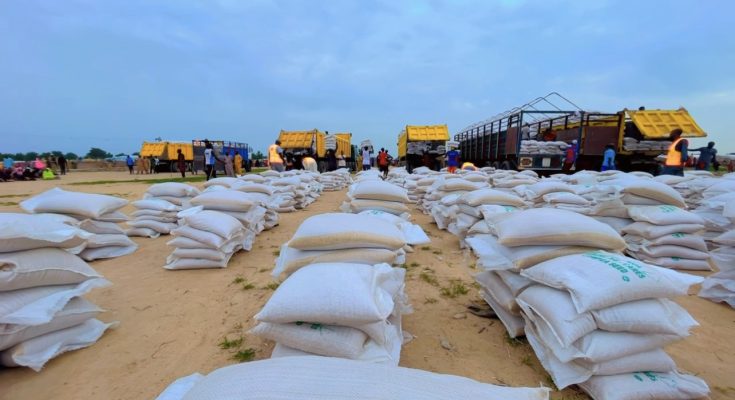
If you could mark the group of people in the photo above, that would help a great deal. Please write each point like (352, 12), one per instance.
(677, 157)
(279, 160)
(142, 165)
(232, 161)
(51, 168)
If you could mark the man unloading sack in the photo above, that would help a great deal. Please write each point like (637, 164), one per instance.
(275, 156)
(677, 154)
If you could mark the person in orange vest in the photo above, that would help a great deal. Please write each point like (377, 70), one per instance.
(677, 156)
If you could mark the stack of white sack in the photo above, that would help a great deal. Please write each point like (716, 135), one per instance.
(467, 210)
(156, 213)
(342, 237)
(446, 184)
(247, 208)
(258, 191)
(335, 180)
(712, 207)
(596, 319)
(337, 309)
(720, 287)
(667, 236)
(691, 186)
(97, 214)
(522, 239)
(336, 378)
(423, 183)
(376, 195)
(295, 192)
(41, 312)
(633, 144)
(206, 239)
(539, 147)
(507, 180)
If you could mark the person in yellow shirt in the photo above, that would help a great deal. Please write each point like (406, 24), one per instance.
(238, 164)
(275, 156)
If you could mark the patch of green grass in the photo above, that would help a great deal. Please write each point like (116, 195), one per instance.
(230, 344)
(244, 355)
(526, 360)
(476, 285)
(414, 265)
(272, 286)
(5, 196)
(429, 277)
(425, 247)
(430, 300)
(473, 266)
(404, 266)
(238, 280)
(263, 270)
(437, 252)
(455, 289)
(198, 178)
(277, 252)
(247, 286)
(8, 203)
(550, 383)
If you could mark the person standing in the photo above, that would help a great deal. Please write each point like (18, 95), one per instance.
(526, 132)
(608, 158)
(331, 160)
(706, 156)
(677, 155)
(62, 164)
(569, 158)
(453, 160)
(366, 158)
(383, 162)
(181, 162)
(238, 164)
(210, 159)
(275, 156)
(229, 168)
(146, 165)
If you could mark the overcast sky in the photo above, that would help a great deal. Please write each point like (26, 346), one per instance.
(110, 74)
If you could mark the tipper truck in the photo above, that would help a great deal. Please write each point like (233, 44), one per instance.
(529, 138)
(416, 142)
(167, 154)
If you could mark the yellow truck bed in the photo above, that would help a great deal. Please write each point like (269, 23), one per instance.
(344, 144)
(167, 150)
(296, 140)
(421, 133)
(657, 124)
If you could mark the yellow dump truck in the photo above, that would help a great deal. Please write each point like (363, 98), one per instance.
(167, 154)
(344, 145)
(302, 142)
(415, 140)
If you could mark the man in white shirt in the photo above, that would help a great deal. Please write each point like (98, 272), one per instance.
(366, 159)
(275, 156)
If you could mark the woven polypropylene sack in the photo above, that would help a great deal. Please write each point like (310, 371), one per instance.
(76, 311)
(600, 279)
(36, 352)
(645, 386)
(42, 267)
(60, 201)
(20, 232)
(334, 231)
(326, 340)
(327, 377)
(547, 226)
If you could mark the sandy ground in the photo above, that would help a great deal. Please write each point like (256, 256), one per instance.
(172, 322)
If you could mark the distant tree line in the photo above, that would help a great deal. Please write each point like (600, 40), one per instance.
(93, 153)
